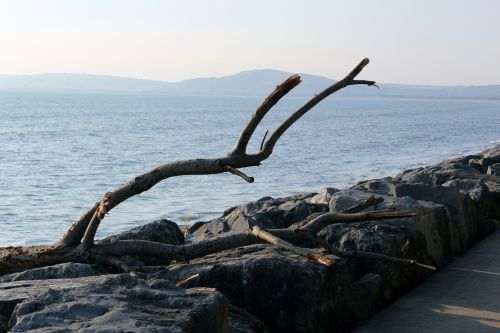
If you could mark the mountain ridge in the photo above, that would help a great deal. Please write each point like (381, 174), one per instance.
(257, 82)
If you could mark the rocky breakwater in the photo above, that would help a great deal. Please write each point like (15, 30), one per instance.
(260, 287)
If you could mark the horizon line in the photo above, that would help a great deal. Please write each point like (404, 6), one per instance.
(242, 71)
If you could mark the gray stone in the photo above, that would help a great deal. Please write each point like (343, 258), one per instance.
(161, 231)
(287, 292)
(113, 303)
(324, 196)
(266, 212)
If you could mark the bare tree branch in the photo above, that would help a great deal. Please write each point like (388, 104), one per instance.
(348, 80)
(77, 244)
(236, 159)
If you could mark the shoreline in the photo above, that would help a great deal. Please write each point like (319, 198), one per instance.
(261, 287)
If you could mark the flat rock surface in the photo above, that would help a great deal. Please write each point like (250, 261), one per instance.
(463, 297)
(111, 303)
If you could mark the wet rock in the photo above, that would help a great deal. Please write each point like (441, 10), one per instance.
(113, 303)
(61, 271)
(287, 292)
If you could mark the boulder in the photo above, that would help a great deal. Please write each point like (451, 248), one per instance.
(161, 231)
(375, 284)
(324, 196)
(266, 212)
(112, 303)
(287, 292)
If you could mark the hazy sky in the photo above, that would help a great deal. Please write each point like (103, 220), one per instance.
(418, 42)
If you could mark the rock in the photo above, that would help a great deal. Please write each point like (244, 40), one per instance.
(375, 284)
(266, 212)
(366, 295)
(469, 201)
(61, 271)
(323, 197)
(287, 292)
(161, 231)
(113, 303)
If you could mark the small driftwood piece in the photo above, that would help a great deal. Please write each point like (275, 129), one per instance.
(307, 253)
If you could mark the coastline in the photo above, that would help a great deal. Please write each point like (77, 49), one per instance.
(260, 287)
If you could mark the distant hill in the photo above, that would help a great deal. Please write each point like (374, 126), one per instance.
(246, 83)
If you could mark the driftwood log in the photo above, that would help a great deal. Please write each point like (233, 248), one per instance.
(78, 245)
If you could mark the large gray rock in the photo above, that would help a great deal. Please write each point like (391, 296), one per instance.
(288, 292)
(111, 303)
(324, 196)
(471, 197)
(266, 212)
(375, 284)
(161, 231)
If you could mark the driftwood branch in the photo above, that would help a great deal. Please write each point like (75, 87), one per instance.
(317, 224)
(78, 243)
(86, 226)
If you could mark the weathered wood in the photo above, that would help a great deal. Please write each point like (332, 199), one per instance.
(322, 221)
(308, 253)
(236, 159)
(77, 244)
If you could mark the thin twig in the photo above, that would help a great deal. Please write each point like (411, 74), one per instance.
(239, 173)
(263, 140)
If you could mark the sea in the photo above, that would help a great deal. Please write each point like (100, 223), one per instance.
(60, 152)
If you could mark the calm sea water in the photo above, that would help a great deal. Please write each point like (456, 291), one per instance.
(60, 152)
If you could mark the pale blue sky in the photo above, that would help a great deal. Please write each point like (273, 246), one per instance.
(417, 42)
